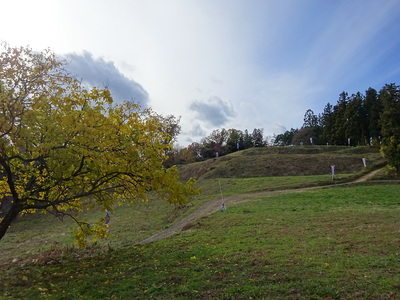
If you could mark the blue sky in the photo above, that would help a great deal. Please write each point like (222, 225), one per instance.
(240, 64)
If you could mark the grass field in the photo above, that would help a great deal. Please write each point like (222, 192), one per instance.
(340, 243)
(35, 234)
(335, 242)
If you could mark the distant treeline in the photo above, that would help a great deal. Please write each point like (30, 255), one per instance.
(355, 120)
(359, 119)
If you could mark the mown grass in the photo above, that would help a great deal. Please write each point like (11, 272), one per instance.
(35, 234)
(334, 243)
(231, 186)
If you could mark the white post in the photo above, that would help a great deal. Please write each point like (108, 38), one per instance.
(332, 171)
(364, 161)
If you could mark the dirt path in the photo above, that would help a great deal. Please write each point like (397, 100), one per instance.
(214, 205)
(368, 176)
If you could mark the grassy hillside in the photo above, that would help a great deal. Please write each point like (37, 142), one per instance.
(285, 161)
(336, 243)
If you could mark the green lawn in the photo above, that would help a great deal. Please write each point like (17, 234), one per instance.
(34, 234)
(336, 243)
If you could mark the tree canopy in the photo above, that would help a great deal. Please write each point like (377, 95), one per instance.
(390, 122)
(65, 149)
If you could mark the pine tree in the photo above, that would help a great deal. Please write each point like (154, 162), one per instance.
(354, 116)
(390, 122)
(247, 142)
(373, 107)
(339, 126)
(327, 122)
(257, 137)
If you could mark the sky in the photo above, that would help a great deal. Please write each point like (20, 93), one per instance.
(216, 64)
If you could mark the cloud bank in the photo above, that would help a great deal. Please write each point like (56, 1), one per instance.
(214, 111)
(97, 72)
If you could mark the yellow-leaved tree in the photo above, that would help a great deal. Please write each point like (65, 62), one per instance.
(65, 149)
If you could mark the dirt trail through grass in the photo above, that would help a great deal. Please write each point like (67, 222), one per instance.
(214, 205)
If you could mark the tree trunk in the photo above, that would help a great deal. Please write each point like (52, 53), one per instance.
(10, 216)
